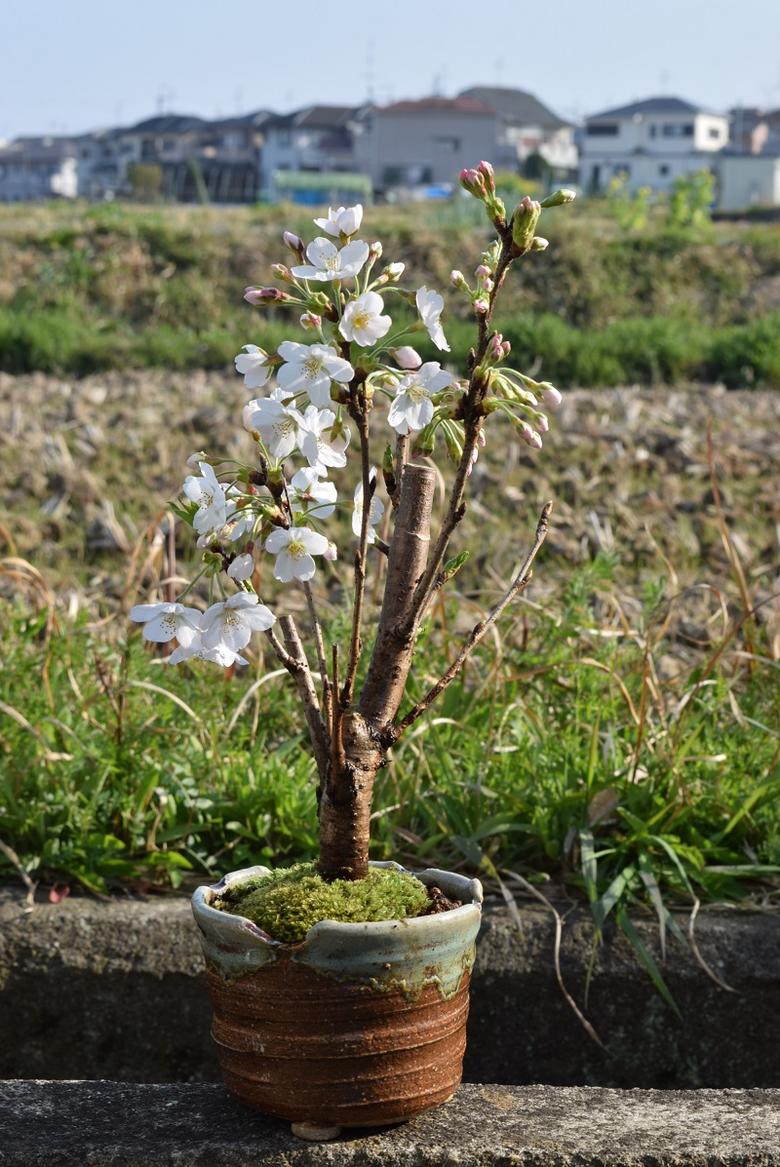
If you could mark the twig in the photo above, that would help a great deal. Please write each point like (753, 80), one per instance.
(356, 644)
(518, 584)
(16, 862)
(336, 740)
(299, 668)
(327, 700)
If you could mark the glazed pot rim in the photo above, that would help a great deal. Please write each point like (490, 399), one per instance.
(468, 890)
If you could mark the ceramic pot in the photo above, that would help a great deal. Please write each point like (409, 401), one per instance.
(356, 1025)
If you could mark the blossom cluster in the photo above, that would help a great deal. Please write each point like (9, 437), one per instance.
(306, 399)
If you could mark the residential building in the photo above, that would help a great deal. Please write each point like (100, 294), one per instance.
(425, 142)
(650, 143)
(315, 139)
(38, 168)
(527, 128)
(748, 180)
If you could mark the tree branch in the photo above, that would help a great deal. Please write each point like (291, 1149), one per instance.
(518, 585)
(327, 700)
(295, 662)
(356, 645)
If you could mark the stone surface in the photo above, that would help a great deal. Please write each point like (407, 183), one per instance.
(112, 1124)
(91, 989)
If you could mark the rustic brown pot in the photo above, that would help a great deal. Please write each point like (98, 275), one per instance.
(358, 1025)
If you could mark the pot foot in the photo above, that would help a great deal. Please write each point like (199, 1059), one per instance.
(315, 1132)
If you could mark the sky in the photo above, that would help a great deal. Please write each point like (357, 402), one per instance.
(74, 65)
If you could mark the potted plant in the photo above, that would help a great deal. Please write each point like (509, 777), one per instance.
(340, 990)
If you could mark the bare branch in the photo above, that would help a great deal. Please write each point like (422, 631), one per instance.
(14, 859)
(298, 666)
(327, 699)
(356, 644)
(518, 585)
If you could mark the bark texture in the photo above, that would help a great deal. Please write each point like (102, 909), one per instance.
(345, 802)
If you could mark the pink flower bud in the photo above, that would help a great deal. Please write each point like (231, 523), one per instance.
(474, 182)
(551, 397)
(311, 321)
(496, 346)
(295, 243)
(481, 306)
(406, 357)
(542, 424)
(332, 552)
(488, 174)
(530, 436)
(260, 295)
(482, 271)
(282, 272)
(458, 280)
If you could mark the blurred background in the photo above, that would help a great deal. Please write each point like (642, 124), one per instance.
(151, 157)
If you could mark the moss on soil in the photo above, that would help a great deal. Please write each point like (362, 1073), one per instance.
(288, 902)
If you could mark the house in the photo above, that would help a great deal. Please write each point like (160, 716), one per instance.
(748, 180)
(424, 142)
(527, 128)
(38, 168)
(650, 143)
(315, 139)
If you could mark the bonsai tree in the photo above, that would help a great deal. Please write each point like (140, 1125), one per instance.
(321, 402)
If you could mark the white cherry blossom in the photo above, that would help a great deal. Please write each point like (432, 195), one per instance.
(326, 262)
(242, 567)
(294, 549)
(430, 305)
(162, 622)
(312, 367)
(220, 655)
(276, 422)
(230, 623)
(207, 491)
(251, 364)
(308, 490)
(412, 408)
(362, 320)
(342, 221)
(375, 510)
(322, 440)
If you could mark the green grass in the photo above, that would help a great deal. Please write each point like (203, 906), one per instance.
(570, 758)
(87, 289)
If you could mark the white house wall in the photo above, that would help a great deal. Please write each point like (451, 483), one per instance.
(748, 181)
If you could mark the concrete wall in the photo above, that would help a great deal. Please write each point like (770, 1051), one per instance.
(748, 181)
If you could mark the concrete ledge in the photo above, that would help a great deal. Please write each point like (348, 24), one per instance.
(93, 990)
(113, 1124)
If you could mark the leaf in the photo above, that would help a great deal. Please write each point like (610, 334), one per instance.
(613, 895)
(589, 864)
(645, 958)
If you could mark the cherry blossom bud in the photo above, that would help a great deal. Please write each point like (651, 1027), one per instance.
(496, 346)
(486, 284)
(482, 271)
(264, 295)
(551, 397)
(332, 552)
(488, 174)
(474, 182)
(524, 222)
(394, 271)
(542, 424)
(375, 251)
(560, 198)
(311, 322)
(539, 243)
(282, 272)
(406, 357)
(198, 456)
(481, 306)
(529, 435)
(295, 243)
(458, 280)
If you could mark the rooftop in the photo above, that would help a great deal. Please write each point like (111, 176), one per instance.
(468, 105)
(515, 105)
(670, 105)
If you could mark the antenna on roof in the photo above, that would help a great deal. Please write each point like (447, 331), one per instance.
(436, 85)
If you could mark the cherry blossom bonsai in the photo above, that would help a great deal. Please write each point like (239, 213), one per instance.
(320, 402)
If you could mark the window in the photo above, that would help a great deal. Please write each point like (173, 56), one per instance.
(603, 130)
(714, 132)
(169, 145)
(677, 129)
(653, 130)
(663, 169)
(622, 170)
(449, 143)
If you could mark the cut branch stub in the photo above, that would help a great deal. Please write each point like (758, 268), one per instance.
(391, 658)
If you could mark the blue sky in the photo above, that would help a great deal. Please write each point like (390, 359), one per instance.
(71, 65)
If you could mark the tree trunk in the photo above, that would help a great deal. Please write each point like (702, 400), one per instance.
(345, 803)
(347, 787)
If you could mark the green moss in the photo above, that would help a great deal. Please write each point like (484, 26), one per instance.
(288, 902)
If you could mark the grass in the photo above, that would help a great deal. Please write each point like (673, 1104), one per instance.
(84, 289)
